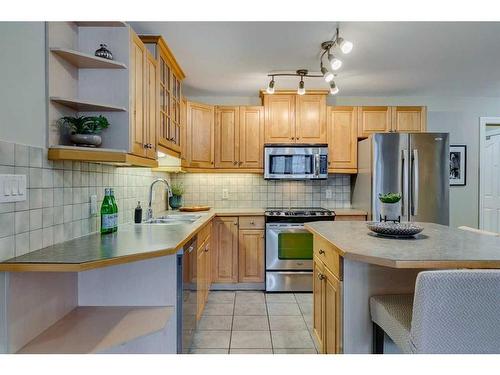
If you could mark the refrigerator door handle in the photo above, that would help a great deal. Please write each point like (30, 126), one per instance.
(414, 183)
(404, 180)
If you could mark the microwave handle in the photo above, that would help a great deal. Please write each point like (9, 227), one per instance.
(316, 165)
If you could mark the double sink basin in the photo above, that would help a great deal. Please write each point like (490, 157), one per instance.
(172, 220)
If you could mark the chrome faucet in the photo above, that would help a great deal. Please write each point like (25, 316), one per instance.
(149, 213)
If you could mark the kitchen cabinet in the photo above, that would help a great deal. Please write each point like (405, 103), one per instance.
(170, 76)
(391, 119)
(310, 121)
(183, 141)
(137, 87)
(409, 119)
(200, 135)
(373, 120)
(292, 118)
(251, 133)
(227, 140)
(251, 256)
(342, 138)
(225, 250)
(151, 115)
(203, 281)
(327, 301)
(279, 118)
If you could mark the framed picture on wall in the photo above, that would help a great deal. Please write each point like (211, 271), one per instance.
(458, 165)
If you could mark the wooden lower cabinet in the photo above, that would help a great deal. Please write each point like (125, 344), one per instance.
(225, 254)
(327, 308)
(251, 256)
(203, 265)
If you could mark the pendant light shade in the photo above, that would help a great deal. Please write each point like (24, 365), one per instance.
(333, 88)
(335, 63)
(327, 75)
(345, 46)
(270, 87)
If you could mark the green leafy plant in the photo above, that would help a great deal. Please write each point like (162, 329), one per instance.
(84, 124)
(389, 197)
(177, 189)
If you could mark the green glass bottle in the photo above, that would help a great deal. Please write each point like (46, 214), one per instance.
(107, 213)
(115, 210)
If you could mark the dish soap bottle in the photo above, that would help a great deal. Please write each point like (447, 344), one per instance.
(107, 214)
(115, 210)
(138, 213)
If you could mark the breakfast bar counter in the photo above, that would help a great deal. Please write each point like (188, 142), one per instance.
(437, 246)
(351, 264)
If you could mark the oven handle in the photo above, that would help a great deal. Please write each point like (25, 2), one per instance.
(293, 272)
(284, 226)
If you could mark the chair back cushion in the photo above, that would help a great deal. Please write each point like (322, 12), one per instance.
(456, 311)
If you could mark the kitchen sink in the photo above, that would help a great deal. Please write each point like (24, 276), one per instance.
(173, 219)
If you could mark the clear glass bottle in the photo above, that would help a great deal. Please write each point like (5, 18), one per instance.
(115, 210)
(107, 213)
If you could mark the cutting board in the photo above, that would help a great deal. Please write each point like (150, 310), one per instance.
(194, 208)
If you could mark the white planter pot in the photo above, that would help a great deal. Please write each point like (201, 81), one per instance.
(390, 211)
(86, 140)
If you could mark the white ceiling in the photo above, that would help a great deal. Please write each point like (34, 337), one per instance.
(388, 59)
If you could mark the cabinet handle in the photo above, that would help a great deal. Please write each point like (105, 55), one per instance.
(321, 251)
(235, 162)
(206, 248)
(252, 222)
(321, 276)
(297, 138)
(240, 163)
(235, 223)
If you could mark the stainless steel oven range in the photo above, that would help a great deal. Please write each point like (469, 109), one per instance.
(289, 247)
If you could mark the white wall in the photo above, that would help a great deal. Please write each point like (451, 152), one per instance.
(458, 116)
(22, 83)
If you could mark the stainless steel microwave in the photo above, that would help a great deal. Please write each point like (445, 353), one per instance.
(295, 162)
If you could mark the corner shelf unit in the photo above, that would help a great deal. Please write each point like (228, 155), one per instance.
(98, 329)
(85, 61)
(85, 106)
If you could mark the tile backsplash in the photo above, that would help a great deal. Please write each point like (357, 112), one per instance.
(57, 208)
(251, 190)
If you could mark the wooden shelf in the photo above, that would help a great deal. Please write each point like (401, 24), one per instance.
(94, 329)
(100, 24)
(85, 106)
(86, 61)
(118, 158)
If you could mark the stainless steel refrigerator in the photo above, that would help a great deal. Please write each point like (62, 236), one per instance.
(416, 165)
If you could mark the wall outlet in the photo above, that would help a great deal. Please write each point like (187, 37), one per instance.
(12, 188)
(225, 194)
(329, 194)
(93, 205)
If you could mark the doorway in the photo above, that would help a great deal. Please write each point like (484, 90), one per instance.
(489, 174)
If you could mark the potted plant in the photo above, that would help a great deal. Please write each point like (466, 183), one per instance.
(85, 130)
(390, 207)
(175, 201)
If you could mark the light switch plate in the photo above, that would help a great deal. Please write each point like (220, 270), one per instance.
(225, 194)
(329, 194)
(93, 205)
(12, 188)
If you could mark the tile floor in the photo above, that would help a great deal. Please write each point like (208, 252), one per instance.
(253, 322)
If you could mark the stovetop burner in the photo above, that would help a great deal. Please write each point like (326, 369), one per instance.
(299, 211)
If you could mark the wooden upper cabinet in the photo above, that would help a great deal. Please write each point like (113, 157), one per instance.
(225, 250)
(200, 135)
(279, 118)
(373, 120)
(251, 144)
(251, 256)
(170, 76)
(137, 88)
(151, 83)
(227, 126)
(342, 132)
(183, 129)
(310, 119)
(409, 119)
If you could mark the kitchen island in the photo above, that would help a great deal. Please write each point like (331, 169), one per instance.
(351, 264)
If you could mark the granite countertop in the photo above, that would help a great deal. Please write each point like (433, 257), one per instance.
(438, 246)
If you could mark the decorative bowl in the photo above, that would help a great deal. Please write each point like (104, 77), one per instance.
(396, 230)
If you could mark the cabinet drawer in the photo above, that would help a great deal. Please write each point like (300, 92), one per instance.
(326, 252)
(350, 218)
(251, 222)
(204, 233)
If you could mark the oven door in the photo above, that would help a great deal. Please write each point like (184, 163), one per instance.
(288, 247)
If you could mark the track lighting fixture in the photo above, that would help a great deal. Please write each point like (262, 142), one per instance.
(333, 88)
(327, 75)
(301, 90)
(270, 87)
(334, 64)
